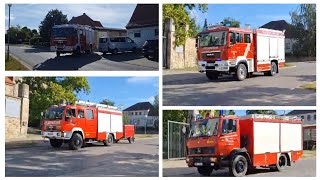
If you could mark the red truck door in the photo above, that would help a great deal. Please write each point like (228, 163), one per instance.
(91, 124)
(230, 137)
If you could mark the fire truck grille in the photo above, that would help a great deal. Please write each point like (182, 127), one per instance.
(204, 150)
(51, 128)
(211, 55)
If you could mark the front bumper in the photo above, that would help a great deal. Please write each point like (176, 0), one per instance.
(56, 135)
(222, 66)
(196, 161)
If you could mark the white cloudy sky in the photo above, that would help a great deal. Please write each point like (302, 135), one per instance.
(110, 15)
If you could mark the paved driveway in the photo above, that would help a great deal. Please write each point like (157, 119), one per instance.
(194, 89)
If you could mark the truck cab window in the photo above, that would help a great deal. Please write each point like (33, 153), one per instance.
(229, 126)
(89, 114)
(71, 112)
(232, 38)
(247, 38)
(80, 113)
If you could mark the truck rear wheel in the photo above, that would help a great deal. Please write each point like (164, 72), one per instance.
(242, 72)
(239, 166)
(282, 163)
(131, 140)
(273, 69)
(109, 140)
(205, 170)
(75, 142)
(212, 75)
(56, 143)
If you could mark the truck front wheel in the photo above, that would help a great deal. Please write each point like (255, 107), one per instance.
(212, 75)
(242, 72)
(58, 54)
(273, 69)
(75, 142)
(56, 143)
(205, 170)
(239, 166)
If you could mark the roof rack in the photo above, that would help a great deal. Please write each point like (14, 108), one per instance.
(92, 104)
(267, 116)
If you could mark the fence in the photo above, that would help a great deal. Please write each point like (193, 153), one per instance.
(177, 138)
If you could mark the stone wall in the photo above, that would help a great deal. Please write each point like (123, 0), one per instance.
(182, 56)
(17, 126)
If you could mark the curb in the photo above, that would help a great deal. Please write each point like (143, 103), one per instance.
(21, 62)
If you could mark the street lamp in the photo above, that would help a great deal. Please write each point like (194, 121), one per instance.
(8, 34)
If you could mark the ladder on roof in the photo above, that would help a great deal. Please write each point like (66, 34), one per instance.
(92, 104)
(268, 116)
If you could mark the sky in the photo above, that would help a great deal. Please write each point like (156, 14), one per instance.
(254, 14)
(124, 91)
(110, 15)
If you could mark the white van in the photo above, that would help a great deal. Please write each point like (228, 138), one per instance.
(116, 44)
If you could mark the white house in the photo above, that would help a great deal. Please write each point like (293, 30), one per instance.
(143, 114)
(144, 23)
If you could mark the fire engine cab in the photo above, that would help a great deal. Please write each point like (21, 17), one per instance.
(72, 38)
(240, 51)
(84, 122)
(241, 144)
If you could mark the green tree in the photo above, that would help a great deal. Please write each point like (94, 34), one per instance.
(180, 13)
(156, 102)
(54, 17)
(231, 112)
(205, 26)
(304, 29)
(126, 119)
(107, 102)
(231, 22)
(47, 91)
(271, 112)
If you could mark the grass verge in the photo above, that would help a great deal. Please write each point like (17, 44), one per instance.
(141, 136)
(308, 154)
(311, 86)
(13, 64)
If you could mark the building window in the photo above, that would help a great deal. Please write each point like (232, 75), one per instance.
(309, 117)
(315, 117)
(137, 34)
(140, 113)
(302, 118)
(135, 113)
(156, 32)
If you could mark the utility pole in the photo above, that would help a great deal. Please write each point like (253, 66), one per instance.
(8, 34)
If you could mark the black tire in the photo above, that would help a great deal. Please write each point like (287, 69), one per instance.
(212, 75)
(241, 72)
(115, 51)
(205, 170)
(273, 69)
(109, 140)
(239, 166)
(84, 144)
(58, 54)
(131, 140)
(75, 142)
(282, 163)
(56, 143)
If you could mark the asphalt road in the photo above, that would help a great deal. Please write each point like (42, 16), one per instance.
(121, 159)
(194, 89)
(302, 168)
(44, 59)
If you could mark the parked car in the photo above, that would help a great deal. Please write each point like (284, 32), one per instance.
(116, 44)
(150, 49)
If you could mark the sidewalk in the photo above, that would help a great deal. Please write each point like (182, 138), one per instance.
(30, 140)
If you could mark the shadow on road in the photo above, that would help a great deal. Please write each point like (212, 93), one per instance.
(67, 62)
(62, 162)
(37, 50)
(121, 57)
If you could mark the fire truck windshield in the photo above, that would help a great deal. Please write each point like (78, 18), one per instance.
(54, 113)
(64, 32)
(213, 39)
(205, 128)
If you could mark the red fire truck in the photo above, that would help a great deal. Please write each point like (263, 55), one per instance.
(241, 144)
(72, 38)
(240, 51)
(84, 123)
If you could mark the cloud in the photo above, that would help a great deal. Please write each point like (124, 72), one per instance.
(139, 79)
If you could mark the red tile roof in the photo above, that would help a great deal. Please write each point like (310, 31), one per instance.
(145, 15)
(85, 20)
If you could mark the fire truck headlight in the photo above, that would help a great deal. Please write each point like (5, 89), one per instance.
(187, 159)
(213, 159)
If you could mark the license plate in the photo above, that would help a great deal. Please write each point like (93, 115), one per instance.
(198, 164)
(50, 133)
(210, 64)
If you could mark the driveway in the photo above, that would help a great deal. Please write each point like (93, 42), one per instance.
(121, 159)
(183, 88)
(44, 59)
(302, 168)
